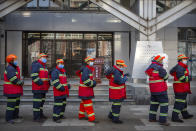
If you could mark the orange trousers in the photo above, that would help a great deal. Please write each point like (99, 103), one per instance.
(87, 106)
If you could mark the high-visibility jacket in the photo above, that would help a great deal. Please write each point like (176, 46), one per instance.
(181, 78)
(40, 77)
(11, 81)
(59, 82)
(117, 88)
(86, 82)
(157, 77)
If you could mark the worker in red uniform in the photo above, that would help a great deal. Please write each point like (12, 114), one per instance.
(158, 88)
(181, 87)
(60, 90)
(40, 86)
(86, 92)
(12, 89)
(117, 89)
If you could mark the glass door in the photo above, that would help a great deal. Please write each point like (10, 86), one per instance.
(47, 46)
(193, 60)
(77, 56)
(63, 52)
(72, 47)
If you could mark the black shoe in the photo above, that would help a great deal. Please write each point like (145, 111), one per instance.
(44, 117)
(164, 124)
(188, 117)
(57, 121)
(18, 120)
(153, 121)
(19, 117)
(83, 118)
(62, 117)
(117, 121)
(177, 120)
(95, 121)
(10, 122)
(38, 120)
(110, 117)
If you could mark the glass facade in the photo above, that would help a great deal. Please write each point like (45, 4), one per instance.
(164, 5)
(72, 47)
(60, 5)
(187, 46)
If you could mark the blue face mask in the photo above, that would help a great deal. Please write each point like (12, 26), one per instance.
(91, 63)
(15, 63)
(61, 66)
(44, 60)
(121, 69)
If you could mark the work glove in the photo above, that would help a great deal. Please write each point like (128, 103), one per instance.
(69, 86)
(40, 82)
(49, 82)
(127, 74)
(20, 83)
(190, 78)
(94, 83)
(125, 78)
(62, 88)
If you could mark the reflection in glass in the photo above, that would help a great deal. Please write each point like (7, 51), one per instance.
(91, 49)
(105, 37)
(33, 52)
(47, 35)
(32, 4)
(77, 3)
(72, 47)
(105, 51)
(43, 3)
(90, 36)
(34, 35)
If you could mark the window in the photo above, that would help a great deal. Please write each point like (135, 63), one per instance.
(73, 48)
(44, 3)
(61, 5)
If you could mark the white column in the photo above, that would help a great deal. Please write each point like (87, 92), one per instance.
(2, 49)
(147, 10)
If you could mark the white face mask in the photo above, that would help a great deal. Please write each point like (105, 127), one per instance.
(184, 61)
(91, 63)
(121, 69)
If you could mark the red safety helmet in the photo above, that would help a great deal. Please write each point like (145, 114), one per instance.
(60, 61)
(159, 58)
(121, 62)
(11, 58)
(88, 59)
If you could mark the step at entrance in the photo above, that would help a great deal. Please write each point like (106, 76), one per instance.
(101, 92)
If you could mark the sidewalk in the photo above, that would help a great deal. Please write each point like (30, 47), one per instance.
(135, 118)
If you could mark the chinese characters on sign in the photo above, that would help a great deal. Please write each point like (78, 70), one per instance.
(98, 69)
(145, 50)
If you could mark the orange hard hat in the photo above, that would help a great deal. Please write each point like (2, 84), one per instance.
(121, 62)
(42, 55)
(88, 59)
(59, 61)
(11, 58)
(182, 56)
(158, 58)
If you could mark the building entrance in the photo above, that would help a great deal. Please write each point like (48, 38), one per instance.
(72, 47)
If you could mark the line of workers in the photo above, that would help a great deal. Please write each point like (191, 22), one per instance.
(13, 89)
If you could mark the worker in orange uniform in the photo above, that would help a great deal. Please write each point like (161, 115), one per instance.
(86, 92)
(40, 86)
(60, 90)
(117, 90)
(182, 88)
(158, 89)
(12, 89)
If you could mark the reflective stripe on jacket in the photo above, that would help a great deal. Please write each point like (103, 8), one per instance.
(11, 80)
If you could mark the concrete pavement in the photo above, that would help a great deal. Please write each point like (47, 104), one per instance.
(135, 118)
